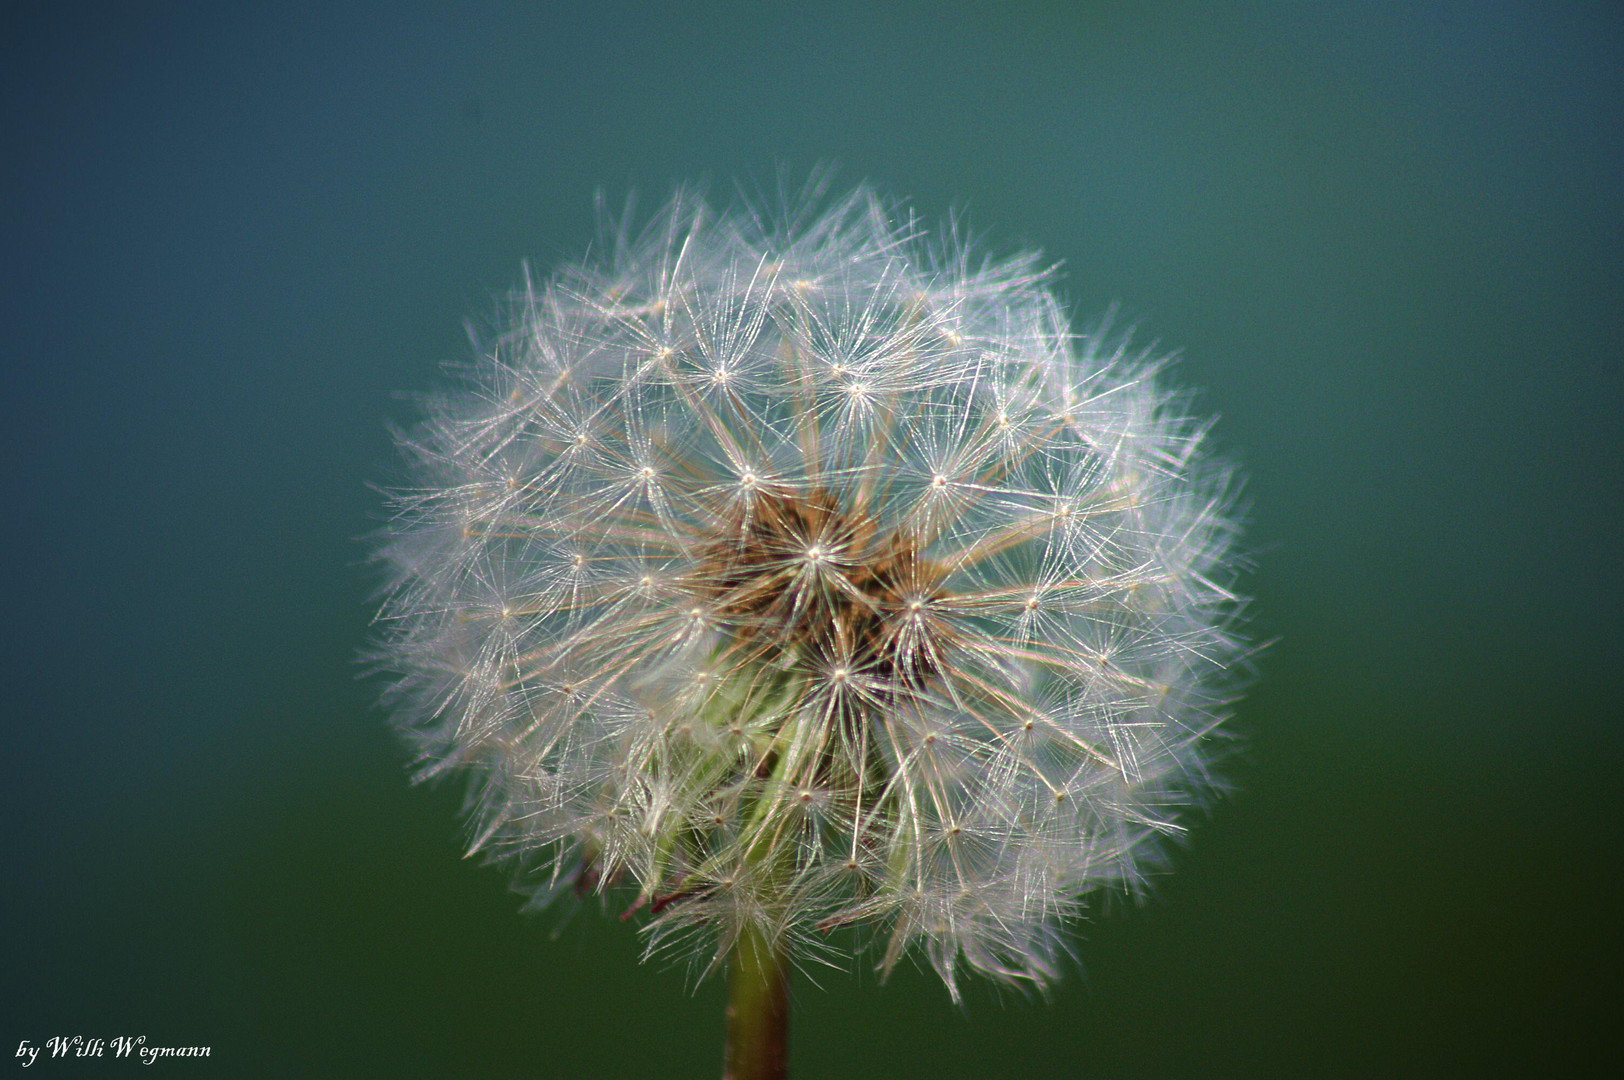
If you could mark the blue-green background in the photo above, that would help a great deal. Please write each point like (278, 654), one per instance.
(1385, 238)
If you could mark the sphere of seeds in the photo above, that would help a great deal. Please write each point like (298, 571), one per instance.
(796, 573)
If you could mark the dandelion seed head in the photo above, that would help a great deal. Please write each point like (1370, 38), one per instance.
(838, 582)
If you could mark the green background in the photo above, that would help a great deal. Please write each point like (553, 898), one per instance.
(1385, 239)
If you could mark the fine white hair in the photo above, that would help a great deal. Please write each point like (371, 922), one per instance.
(799, 571)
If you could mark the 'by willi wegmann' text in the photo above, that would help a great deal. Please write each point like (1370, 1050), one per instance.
(119, 1046)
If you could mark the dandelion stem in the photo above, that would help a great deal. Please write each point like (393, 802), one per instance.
(757, 1010)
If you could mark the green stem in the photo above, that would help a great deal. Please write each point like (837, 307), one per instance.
(757, 1011)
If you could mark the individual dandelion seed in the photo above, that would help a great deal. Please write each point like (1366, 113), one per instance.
(796, 573)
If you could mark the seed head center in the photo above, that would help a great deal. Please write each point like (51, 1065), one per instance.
(858, 615)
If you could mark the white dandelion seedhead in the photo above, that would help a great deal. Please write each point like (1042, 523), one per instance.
(801, 574)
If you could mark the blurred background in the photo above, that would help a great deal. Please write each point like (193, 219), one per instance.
(1385, 239)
